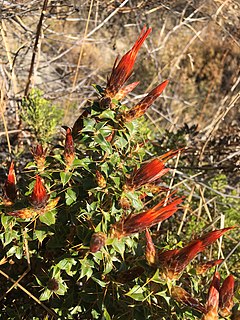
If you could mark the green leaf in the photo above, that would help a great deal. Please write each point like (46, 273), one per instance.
(105, 145)
(41, 235)
(89, 125)
(46, 295)
(7, 221)
(100, 282)
(86, 268)
(119, 246)
(106, 315)
(107, 114)
(65, 177)
(70, 197)
(48, 218)
(137, 293)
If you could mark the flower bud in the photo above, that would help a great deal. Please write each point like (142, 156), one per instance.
(39, 196)
(39, 155)
(10, 189)
(100, 180)
(69, 150)
(97, 242)
(150, 251)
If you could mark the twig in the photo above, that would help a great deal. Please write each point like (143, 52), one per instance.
(35, 48)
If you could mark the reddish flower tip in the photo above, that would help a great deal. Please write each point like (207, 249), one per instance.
(226, 297)
(145, 103)
(69, 151)
(10, 189)
(210, 237)
(122, 71)
(39, 196)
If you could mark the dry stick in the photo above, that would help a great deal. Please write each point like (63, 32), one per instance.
(35, 48)
(10, 61)
(186, 210)
(4, 121)
(51, 312)
(171, 184)
(25, 272)
(229, 255)
(79, 61)
(217, 121)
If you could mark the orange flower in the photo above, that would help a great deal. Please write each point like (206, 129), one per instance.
(145, 103)
(173, 262)
(39, 196)
(213, 299)
(69, 151)
(10, 189)
(138, 222)
(122, 71)
(97, 241)
(150, 251)
(151, 171)
(202, 268)
(39, 155)
(226, 297)
(181, 295)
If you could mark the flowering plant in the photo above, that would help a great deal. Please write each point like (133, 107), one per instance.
(81, 222)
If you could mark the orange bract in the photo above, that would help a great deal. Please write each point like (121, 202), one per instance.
(39, 196)
(138, 222)
(122, 71)
(69, 150)
(213, 299)
(145, 103)
(226, 296)
(10, 189)
(184, 297)
(150, 251)
(173, 262)
(39, 155)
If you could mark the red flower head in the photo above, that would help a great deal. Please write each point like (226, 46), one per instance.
(69, 151)
(145, 103)
(150, 252)
(122, 71)
(10, 189)
(203, 267)
(97, 241)
(39, 196)
(213, 299)
(173, 262)
(151, 171)
(138, 222)
(39, 155)
(181, 295)
(226, 296)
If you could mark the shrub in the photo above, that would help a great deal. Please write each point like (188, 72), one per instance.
(77, 234)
